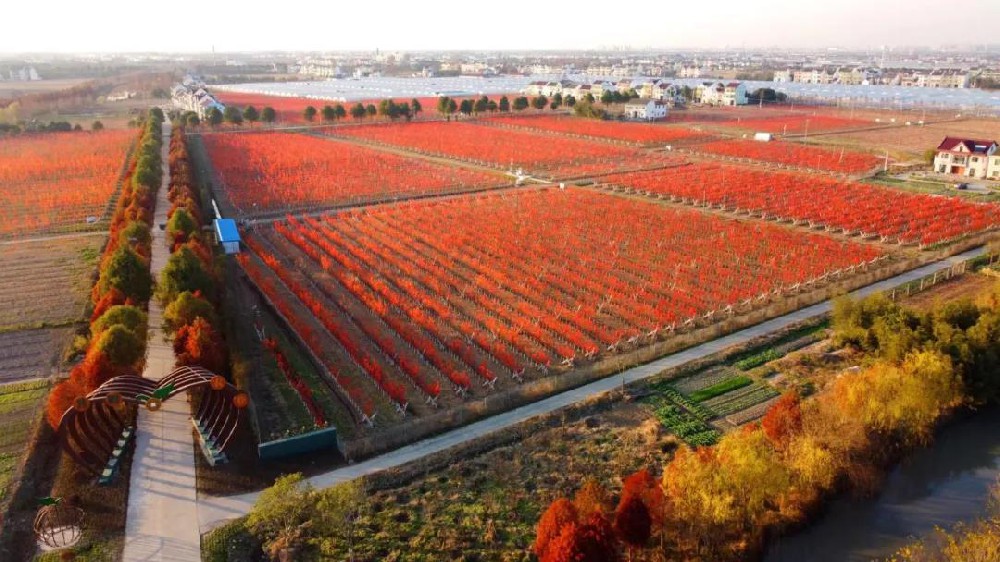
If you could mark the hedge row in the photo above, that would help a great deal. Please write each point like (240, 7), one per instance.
(188, 284)
(116, 342)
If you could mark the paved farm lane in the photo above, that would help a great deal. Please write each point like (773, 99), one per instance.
(162, 502)
(214, 510)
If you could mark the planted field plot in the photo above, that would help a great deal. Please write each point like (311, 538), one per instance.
(798, 124)
(819, 202)
(59, 180)
(637, 133)
(428, 301)
(47, 281)
(793, 154)
(20, 405)
(280, 171)
(31, 354)
(541, 154)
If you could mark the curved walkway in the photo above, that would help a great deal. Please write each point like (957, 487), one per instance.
(213, 511)
(162, 500)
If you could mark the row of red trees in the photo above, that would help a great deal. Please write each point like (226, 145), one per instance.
(188, 283)
(117, 334)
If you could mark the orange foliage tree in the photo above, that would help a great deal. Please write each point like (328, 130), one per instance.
(783, 420)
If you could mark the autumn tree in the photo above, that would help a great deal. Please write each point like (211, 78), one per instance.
(131, 317)
(591, 541)
(560, 514)
(783, 420)
(591, 498)
(184, 309)
(181, 226)
(61, 399)
(128, 273)
(633, 523)
(200, 344)
(184, 271)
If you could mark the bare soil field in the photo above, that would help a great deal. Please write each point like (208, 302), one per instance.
(909, 143)
(12, 89)
(46, 282)
(30, 354)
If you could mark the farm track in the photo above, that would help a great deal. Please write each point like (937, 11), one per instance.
(214, 510)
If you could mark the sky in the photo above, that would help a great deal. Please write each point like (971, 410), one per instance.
(67, 26)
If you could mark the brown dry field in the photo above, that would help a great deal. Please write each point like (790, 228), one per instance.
(46, 281)
(11, 89)
(910, 142)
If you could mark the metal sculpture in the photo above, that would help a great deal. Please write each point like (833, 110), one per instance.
(57, 524)
(92, 430)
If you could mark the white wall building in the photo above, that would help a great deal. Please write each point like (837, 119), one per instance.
(968, 157)
(646, 110)
(732, 93)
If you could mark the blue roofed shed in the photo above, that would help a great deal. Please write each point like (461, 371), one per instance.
(227, 235)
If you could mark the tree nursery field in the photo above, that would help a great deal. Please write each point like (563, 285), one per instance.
(544, 155)
(283, 171)
(59, 180)
(817, 201)
(422, 304)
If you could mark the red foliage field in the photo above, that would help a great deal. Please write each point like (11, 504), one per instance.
(545, 155)
(819, 201)
(58, 180)
(456, 293)
(798, 124)
(280, 171)
(794, 154)
(639, 133)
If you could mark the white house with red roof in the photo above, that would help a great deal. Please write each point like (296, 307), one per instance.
(968, 157)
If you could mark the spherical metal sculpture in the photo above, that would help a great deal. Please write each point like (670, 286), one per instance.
(58, 525)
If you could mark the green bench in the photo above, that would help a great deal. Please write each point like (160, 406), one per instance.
(114, 461)
(209, 448)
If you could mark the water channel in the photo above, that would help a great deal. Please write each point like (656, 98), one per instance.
(939, 486)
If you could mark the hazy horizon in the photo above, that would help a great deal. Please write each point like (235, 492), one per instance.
(295, 25)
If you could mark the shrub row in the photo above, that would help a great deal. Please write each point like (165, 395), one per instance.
(116, 343)
(188, 284)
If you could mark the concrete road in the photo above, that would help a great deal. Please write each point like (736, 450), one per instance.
(162, 504)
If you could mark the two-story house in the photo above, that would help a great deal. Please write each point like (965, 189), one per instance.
(968, 157)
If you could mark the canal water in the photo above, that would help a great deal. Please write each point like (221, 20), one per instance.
(937, 486)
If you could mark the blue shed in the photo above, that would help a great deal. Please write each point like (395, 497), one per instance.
(227, 235)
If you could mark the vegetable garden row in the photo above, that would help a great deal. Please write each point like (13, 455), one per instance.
(54, 180)
(542, 154)
(425, 302)
(281, 171)
(819, 202)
